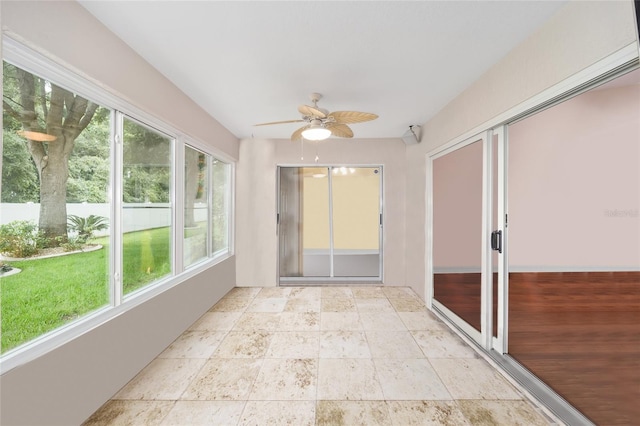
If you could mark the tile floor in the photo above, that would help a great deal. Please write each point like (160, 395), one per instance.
(319, 355)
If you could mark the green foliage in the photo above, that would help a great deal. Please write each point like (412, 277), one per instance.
(89, 164)
(20, 183)
(51, 292)
(71, 243)
(86, 226)
(20, 238)
(147, 165)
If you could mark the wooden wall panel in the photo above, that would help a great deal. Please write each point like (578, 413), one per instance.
(580, 333)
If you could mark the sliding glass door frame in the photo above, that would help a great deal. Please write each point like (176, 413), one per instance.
(485, 337)
(332, 278)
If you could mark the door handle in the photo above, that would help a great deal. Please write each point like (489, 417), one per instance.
(496, 241)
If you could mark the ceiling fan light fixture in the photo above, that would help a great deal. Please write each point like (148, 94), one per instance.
(316, 132)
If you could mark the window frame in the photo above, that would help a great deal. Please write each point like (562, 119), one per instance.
(42, 65)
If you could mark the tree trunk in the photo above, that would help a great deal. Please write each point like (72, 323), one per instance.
(54, 173)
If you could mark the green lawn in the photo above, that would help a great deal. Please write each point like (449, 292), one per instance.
(49, 293)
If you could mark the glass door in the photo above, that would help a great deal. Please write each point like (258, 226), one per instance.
(464, 216)
(330, 224)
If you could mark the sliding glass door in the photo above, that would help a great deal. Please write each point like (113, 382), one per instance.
(330, 223)
(464, 214)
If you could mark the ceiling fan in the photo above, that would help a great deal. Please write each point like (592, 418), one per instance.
(321, 123)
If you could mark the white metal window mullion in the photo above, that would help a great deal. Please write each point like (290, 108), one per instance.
(428, 291)
(177, 205)
(331, 250)
(116, 237)
(381, 227)
(486, 297)
(503, 273)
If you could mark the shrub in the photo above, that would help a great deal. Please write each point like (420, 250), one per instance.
(87, 226)
(20, 238)
(71, 243)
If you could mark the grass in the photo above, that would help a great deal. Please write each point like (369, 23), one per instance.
(51, 292)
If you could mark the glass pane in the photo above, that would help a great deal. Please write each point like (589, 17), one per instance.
(146, 215)
(315, 222)
(356, 221)
(221, 207)
(289, 232)
(574, 248)
(55, 182)
(457, 231)
(196, 206)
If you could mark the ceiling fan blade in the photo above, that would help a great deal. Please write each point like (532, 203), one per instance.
(280, 122)
(349, 117)
(310, 111)
(340, 130)
(297, 135)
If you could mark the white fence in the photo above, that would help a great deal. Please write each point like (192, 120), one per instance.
(135, 216)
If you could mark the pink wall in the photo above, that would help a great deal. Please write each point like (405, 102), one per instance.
(574, 182)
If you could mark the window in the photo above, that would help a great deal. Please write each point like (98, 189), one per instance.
(105, 209)
(55, 179)
(221, 209)
(146, 213)
(196, 205)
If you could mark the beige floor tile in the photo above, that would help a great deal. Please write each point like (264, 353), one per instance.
(231, 305)
(294, 344)
(302, 305)
(274, 292)
(408, 305)
(243, 292)
(194, 344)
(348, 379)
(422, 321)
(344, 344)
(251, 321)
(338, 305)
(274, 413)
(244, 344)
(473, 379)
(426, 413)
(162, 379)
(381, 321)
(216, 321)
(117, 412)
(410, 379)
(489, 413)
(336, 292)
(399, 292)
(393, 344)
(286, 379)
(344, 321)
(442, 344)
(319, 355)
(267, 304)
(223, 379)
(368, 292)
(342, 413)
(204, 413)
(308, 293)
(299, 321)
(374, 305)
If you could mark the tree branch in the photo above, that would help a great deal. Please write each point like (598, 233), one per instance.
(9, 110)
(88, 116)
(43, 98)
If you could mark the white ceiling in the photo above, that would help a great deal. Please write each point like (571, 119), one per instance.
(249, 62)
